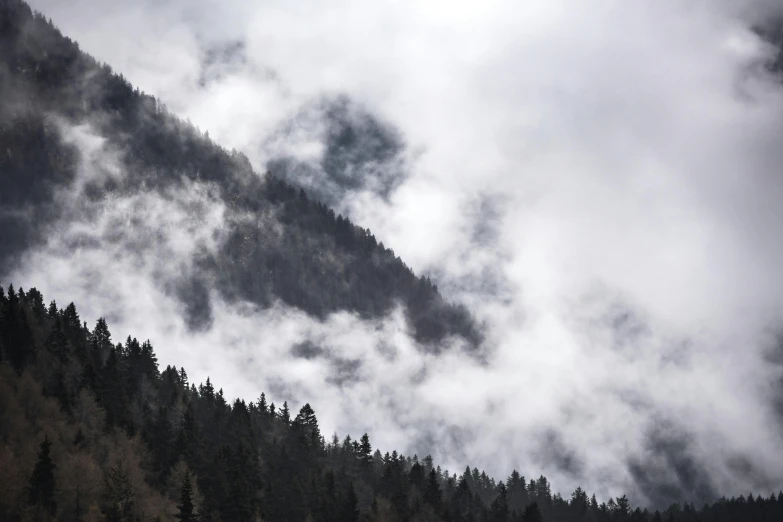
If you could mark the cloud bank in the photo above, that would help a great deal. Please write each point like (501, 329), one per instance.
(599, 183)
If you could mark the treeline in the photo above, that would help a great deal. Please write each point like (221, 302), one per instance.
(90, 430)
(280, 244)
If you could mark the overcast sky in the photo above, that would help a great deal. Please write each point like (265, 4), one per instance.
(598, 181)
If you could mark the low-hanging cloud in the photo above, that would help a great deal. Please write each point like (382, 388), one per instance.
(598, 182)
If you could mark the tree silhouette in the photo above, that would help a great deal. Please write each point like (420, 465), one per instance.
(185, 506)
(41, 487)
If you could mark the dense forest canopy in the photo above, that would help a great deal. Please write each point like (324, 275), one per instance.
(91, 430)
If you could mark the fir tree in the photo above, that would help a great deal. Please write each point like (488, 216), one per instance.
(40, 492)
(365, 453)
(350, 506)
(285, 414)
(307, 423)
(532, 513)
(57, 343)
(52, 310)
(120, 499)
(185, 506)
(432, 490)
(101, 344)
(498, 511)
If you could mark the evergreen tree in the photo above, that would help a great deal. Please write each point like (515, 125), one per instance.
(498, 511)
(51, 312)
(111, 389)
(432, 490)
(185, 506)
(307, 423)
(350, 506)
(120, 498)
(15, 332)
(365, 453)
(57, 343)
(622, 508)
(285, 414)
(101, 344)
(160, 438)
(41, 489)
(149, 361)
(532, 513)
(183, 378)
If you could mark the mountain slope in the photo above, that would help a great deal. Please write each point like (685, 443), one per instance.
(91, 431)
(275, 243)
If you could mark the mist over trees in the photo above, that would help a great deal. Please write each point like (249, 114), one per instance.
(91, 430)
(279, 243)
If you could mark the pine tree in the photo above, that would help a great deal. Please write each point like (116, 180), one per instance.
(188, 440)
(119, 495)
(622, 508)
(57, 343)
(285, 414)
(432, 490)
(498, 511)
(532, 513)
(149, 361)
(111, 388)
(350, 506)
(307, 423)
(101, 343)
(15, 333)
(183, 377)
(365, 453)
(35, 299)
(185, 506)
(52, 310)
(40, 492)
(160, 439)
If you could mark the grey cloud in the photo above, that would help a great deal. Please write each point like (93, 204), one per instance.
(551, 451)
(669, 472)
(357, 152)
(307, 349)
(221, 60)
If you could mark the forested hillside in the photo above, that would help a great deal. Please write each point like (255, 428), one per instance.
(91, 430)
(278, 243)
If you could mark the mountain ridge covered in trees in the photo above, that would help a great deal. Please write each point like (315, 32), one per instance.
(91, 430)
(277, 243)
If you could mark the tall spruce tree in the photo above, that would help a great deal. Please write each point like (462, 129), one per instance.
(41, 489)
(532, 513)
(285, 414)
(432, 490)
(365, 453)
(350, 506)
(498, 510)
(185, 506)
